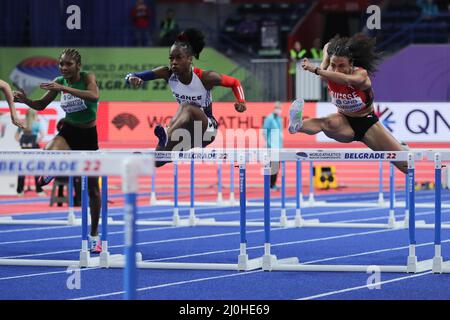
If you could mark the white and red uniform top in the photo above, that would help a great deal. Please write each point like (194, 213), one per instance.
(349, 99)
(193, 93)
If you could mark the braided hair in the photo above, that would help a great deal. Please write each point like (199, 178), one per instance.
(192, 40)
(359, 49)
(73, 53)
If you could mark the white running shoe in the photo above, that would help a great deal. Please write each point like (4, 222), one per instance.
(295, 115)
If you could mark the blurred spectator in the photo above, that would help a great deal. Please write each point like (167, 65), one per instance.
(316, 51)
(428, 9)
(29, 138)
(140, 15)
(273, 132)
(295, 55)
(168, 29)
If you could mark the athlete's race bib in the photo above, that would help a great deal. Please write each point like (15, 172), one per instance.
(71, 104)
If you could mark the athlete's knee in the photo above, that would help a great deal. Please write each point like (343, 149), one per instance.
(330, 124)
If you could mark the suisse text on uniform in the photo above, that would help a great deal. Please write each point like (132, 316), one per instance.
(37, 165)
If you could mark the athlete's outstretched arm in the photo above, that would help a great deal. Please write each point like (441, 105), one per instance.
(41, 104)
(359, 79)
(6, 89)
(214, 79)
(137, 78)
(90, 94)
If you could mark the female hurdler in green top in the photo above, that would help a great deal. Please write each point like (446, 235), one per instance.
(79, 99)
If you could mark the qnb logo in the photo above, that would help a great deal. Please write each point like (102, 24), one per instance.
(125, 119)
(385, 115)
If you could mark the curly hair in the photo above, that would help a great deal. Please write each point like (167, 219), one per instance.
(359, 49)
(192, 40)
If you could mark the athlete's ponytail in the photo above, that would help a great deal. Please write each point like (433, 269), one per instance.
(192, 40)
(359, 49)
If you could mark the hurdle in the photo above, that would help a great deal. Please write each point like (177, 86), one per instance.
(439, 266)
(75, 163)
(285, 222)
(192, 219)
(243, 262)
(271, 262)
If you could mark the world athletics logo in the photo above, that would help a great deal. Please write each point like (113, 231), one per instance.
(33, 71)
(301, 155)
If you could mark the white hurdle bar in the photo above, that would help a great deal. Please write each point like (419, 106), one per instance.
(271, 262)
(73, 163)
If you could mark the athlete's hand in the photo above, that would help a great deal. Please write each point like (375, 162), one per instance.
(240, 106)
(20, 96)
(135, 81)
(52, 86)
(17, 122)
(308, 66)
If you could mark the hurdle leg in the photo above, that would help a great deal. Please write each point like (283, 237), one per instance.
(298, 194)
(268, 259)
(380, 192)
(232, 198)
(104, 255)
(84, 254)
(391, 220)
(176, 213)
(407, 215)
(129, 186)
(412, 258)
(153, 199)
(283, 217)
(311, 185)
(192, 217)
(437, 260)
(71, 219)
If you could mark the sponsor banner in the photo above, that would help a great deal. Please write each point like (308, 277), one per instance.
(48, 117)
(135, 122)
(406, 121)
(352, 156)
(29, 67)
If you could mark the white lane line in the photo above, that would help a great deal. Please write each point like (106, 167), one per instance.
(170, 284)
(258, 210)
(159, 241)
(330, 293)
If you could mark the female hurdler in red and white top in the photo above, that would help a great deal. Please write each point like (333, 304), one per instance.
(191, 87)
(346, 66)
